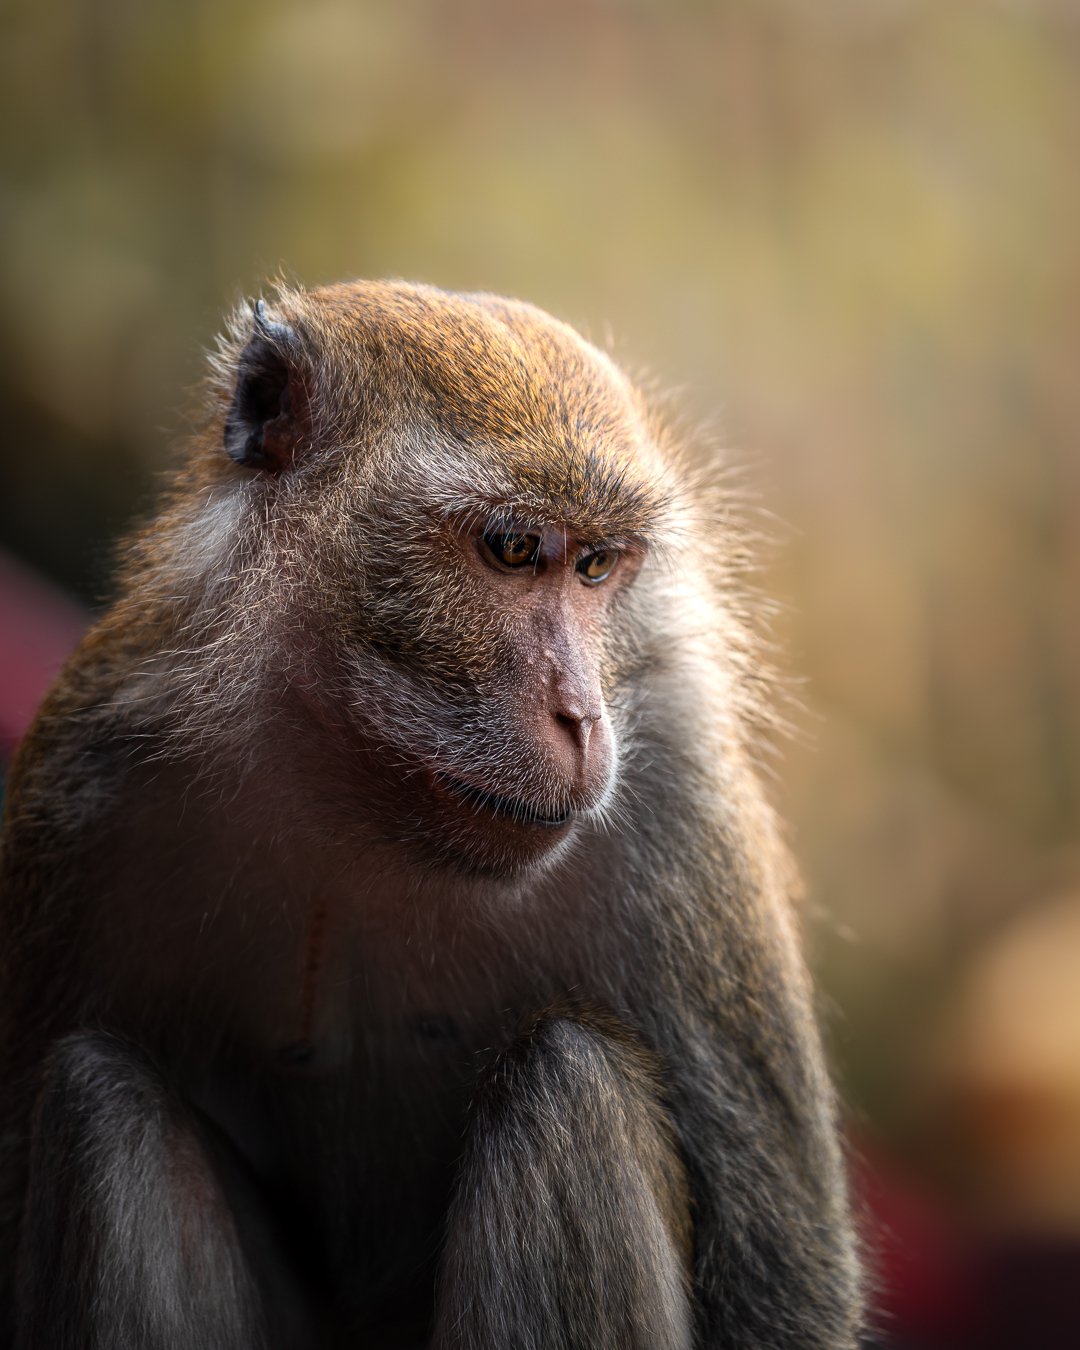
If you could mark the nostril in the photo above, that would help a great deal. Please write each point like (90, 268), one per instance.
(578, 724)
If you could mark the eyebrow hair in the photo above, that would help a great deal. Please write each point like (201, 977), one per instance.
(598, 493)
(627, 518)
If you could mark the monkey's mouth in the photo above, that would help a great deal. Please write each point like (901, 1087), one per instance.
(522, 813)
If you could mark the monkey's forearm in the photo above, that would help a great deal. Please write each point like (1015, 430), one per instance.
(126, 1217)
(570, 1229)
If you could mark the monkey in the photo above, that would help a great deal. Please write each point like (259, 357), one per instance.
(399, 948)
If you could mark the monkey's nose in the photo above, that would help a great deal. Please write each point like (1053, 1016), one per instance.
(582, 746)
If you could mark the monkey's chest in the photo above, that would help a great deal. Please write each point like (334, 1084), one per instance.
(356, 1131)
(362, 1158)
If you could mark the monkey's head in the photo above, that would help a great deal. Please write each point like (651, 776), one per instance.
(432, 510)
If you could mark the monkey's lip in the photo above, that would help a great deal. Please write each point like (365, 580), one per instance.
(522, 813)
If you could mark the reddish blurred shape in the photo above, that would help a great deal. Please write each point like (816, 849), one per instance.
(39, 628)
(924, 1285)
(941, 1283)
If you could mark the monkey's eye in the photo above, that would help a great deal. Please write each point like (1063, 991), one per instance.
(512, 549)
(598, 566)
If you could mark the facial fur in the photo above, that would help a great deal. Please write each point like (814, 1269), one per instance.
(337, 570)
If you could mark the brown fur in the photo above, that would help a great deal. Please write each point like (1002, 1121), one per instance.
(227, 844)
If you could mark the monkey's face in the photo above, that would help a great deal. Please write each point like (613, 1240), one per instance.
(488, 668)
(459, 491)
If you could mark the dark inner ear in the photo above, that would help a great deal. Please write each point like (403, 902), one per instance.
(267, 420)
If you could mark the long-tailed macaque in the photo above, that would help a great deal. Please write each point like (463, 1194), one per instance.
(398, 949)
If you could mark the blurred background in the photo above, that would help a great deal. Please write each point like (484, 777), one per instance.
(849, 231)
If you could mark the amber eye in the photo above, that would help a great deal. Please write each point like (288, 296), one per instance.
(512, 549)
(598, 566)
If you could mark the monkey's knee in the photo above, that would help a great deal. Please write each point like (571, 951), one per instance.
(571, 1223)
(126, 1238)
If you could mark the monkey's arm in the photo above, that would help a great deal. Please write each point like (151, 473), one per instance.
(728, 1007)
(127, 1237)
(774, 1256)
(570, 1227)
(719, 989)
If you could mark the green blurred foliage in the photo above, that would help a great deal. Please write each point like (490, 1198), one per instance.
(853, 225)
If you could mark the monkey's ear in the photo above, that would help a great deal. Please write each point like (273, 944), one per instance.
(268, 421)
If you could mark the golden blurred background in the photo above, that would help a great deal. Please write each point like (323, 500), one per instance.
(849, 230)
